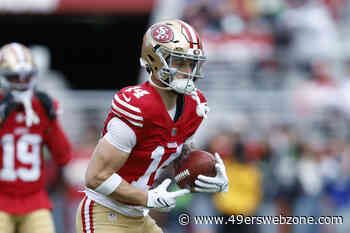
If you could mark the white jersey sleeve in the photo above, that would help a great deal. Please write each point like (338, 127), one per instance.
(120, 135)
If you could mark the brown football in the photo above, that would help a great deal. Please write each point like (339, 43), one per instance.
(197, 162)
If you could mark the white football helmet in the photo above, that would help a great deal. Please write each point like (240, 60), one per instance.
(168, 45)
(18, 75)
(17, 68)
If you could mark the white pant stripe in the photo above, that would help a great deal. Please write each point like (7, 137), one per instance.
(86, 217)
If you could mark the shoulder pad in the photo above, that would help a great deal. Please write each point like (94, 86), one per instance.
(127, 104)
(7, 105)
(47, 103)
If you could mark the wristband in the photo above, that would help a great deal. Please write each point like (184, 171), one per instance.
(109, 185)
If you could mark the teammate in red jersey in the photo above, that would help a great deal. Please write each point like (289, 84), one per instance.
(147, 129)
(28, 121)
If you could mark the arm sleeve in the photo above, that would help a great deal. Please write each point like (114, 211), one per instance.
(120, 135)
(58, 143)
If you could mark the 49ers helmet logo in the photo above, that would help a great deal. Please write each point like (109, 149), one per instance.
(162, 33)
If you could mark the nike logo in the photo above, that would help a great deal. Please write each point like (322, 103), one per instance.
(126, 98)
(162, 202)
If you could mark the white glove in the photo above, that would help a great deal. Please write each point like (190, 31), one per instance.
(162, 200)
(216, 184)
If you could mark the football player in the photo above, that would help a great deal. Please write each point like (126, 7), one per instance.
(28, 121)
(144, 133)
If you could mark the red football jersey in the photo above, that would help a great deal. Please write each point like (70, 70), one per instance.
(21, 159)
(159, 139)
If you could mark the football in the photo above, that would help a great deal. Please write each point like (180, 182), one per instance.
(197, 162)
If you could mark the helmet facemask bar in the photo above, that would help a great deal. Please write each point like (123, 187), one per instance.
(19, 81)
(170, 74)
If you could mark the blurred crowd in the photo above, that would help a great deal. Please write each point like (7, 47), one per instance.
(277, 83)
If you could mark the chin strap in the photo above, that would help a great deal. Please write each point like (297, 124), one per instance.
(202, 108)
(26, 99)
(155, 85)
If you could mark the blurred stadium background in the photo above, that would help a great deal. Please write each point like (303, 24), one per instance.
(277, 82)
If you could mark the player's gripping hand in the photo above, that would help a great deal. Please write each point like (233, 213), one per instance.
(162, 200)
(216, 184)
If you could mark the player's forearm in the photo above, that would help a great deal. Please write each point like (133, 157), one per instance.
(128, 193)
(124, 192)
(167, 172)
(187, 148)
(101, 176)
